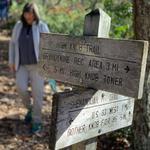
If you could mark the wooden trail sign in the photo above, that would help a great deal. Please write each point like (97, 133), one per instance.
(116, 66)
(78, 116)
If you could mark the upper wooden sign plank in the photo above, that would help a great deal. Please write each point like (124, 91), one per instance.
(116, 66)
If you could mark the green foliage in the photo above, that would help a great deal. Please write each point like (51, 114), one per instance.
(68, 16)
(121, 14)
(63, 20)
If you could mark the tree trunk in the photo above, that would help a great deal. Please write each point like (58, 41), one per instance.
(142, 107)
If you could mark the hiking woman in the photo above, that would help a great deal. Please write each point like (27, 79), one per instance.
(23, 58)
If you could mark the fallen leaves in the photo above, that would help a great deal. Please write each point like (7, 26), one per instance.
(14, 135)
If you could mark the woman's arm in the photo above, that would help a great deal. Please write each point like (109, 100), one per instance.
(44, 28)
(12, 49)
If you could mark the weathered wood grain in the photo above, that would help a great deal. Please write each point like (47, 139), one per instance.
(116, 66)
(81, 116)
(97, 23)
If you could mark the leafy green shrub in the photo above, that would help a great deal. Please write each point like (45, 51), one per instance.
(121, 14)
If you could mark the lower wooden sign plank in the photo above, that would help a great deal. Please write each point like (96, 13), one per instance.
(116, 66)
(94, 73)
(78, 116)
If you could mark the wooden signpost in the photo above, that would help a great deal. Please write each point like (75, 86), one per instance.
(116, 66)
(78, 117)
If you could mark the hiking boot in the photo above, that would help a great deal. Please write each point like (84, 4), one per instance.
(36, 128)
(28, 117)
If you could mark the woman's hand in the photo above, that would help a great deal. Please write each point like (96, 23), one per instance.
(12, 68)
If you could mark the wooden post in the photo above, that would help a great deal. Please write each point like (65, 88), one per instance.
(97, 23)
(91, 144)
(87, 145)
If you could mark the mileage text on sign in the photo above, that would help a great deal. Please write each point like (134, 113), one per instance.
(116, 66)
(81, 116)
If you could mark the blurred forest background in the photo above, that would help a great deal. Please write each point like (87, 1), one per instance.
(62, 16)
(67, 16)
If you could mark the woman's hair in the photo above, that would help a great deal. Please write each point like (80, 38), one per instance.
(30, 7)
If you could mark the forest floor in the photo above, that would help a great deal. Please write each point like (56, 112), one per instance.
(14, 134)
